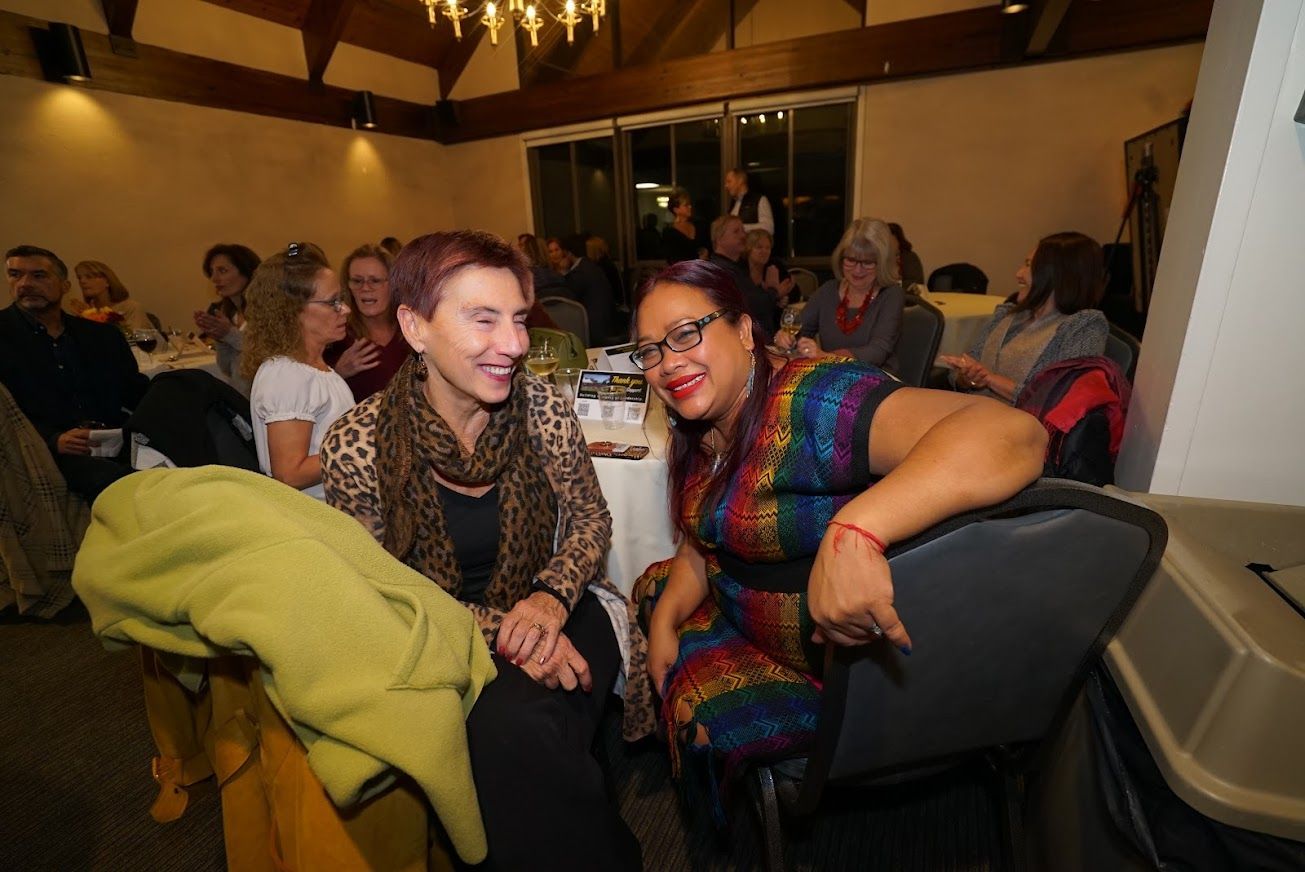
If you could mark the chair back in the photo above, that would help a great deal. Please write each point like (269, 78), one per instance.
(1008, 609)
(917, 345)
(1123, 349)
(806, 281)
(569, 315)
(961, 277)
(570, 350)
(193, 418)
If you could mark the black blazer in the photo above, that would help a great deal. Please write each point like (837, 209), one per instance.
(27, 370)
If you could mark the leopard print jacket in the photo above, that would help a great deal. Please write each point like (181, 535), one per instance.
(348, 457)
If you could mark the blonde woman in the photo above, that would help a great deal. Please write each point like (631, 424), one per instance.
(293, 310)
(858, 313)
(102, 289)
(373, 348)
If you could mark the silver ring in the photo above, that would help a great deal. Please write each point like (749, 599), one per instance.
(876, 630)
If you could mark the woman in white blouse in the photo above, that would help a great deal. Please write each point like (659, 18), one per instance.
(294, 309)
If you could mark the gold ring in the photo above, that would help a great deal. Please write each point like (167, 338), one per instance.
(538, 626)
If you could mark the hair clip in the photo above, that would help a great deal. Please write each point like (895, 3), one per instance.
(293, 249)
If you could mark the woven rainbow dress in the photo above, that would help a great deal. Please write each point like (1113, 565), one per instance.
(747, 668)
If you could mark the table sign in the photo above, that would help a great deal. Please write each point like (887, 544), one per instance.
(616, 358)
(593, 382)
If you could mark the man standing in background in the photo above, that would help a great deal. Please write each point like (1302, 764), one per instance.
(752, 209)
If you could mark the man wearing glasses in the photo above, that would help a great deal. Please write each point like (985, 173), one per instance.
(728, 242)
(70, 376)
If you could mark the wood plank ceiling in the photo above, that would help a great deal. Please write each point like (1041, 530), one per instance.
(648, 55)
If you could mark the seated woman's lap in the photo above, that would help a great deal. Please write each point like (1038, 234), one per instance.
(749, 703)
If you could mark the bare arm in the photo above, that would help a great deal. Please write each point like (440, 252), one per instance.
(940, 453)
(287, 453)
(686, 588)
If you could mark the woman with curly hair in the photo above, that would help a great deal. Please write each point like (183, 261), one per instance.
(102, 289)
(293, 310)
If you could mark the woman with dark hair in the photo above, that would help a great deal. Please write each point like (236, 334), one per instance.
(229, 267)
(373, 348)
(908, 262)
(547, 282)
(102, 289)
(474, 472)
(787, 481)
(294, 311)
(683, 238)
(1051, 319)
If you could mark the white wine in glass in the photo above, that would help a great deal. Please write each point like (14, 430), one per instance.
(542, 360)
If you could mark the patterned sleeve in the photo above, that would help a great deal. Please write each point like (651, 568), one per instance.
(349, 481)
(584, 524)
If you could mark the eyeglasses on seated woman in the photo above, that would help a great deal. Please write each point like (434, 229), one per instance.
(373, 348)
(475, 473)
(788, 479)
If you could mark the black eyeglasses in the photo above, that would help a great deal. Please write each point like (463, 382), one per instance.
(681, 338)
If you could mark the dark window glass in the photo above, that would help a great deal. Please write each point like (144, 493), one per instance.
(697, 166)
(763, 152)
(650, 175)
(595, 174)
(820, 154)
(550, 170)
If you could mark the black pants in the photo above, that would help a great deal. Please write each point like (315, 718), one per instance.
(542, 793)
(87, 476)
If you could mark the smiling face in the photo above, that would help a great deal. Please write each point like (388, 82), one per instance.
(321, 323)
(1024, 278)
(369, 285)
(35, 284)
(95, 288)
(706, 382)
(474, 339)
(226, 279)
(759, 255)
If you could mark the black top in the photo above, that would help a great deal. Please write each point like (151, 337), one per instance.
(473, 528)
(591, 288)
(758, 301)
(677, 247)
(87, 374)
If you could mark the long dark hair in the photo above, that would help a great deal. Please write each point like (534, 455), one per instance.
(1070, 267)
(245, 260)
(685, 448)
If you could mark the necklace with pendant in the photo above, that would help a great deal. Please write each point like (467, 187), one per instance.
(716, 456)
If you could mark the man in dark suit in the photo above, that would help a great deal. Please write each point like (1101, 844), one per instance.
(68, 375)
(728, 241)
(590, 287)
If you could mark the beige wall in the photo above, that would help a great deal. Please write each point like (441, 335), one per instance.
(884, 11)
(487, 186)
(977, 167)
(773, 20)
(146, 185)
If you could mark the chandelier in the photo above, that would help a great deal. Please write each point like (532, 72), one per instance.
(529, 16)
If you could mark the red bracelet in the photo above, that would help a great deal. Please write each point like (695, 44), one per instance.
(860, 531)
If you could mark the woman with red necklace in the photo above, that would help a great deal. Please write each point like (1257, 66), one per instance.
(858, 313)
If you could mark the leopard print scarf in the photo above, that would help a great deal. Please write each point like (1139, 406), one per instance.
(411, 438)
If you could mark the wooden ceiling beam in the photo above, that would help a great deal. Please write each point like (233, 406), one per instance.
(120, 15)
(955, 42)
(457, 57)
(162, 74)
(1050, 17)
(323, 26)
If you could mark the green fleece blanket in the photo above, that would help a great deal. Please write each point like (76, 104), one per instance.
(374, 666)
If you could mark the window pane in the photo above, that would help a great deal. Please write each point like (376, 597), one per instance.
(595, 176)
(555, 206)
(650, 172)
(697, 167)
(763, 152)
(820, 149)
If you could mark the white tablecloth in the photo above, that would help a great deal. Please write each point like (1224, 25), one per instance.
(152, 365)
(965, 315)
(635, 491)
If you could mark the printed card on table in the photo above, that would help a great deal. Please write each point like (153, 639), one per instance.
(587, 400)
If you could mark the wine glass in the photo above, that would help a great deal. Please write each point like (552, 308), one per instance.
(146, 341)
(542, 359)
(790, 323)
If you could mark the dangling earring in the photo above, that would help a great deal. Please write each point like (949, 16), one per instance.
(422, 372)
(752, 375)
(672, 420)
